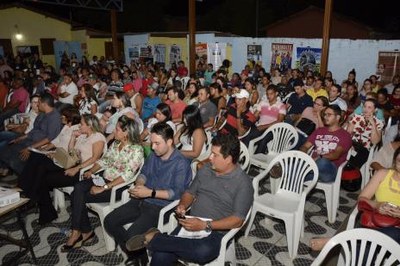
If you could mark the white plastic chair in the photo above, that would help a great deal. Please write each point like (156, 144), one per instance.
(227, 251)
(59, 193)
(332, 191)
(284, 138)
(104, 208)
(288, 202)
(366, 171)
(362, 247)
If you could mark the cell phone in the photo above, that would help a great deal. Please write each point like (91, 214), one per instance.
(179, 216)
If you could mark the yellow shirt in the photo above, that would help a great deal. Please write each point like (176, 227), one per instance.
(314, 95)
(389, 189)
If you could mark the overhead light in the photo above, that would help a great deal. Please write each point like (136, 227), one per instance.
(18, 35)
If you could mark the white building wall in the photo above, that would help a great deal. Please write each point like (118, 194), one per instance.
(344, 54)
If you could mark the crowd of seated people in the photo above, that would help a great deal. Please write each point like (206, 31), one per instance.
(107, 113)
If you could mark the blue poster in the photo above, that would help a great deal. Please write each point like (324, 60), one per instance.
(70, 49)
(308, 59)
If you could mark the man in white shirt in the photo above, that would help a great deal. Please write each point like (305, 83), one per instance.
(334, 98)
(68, 90)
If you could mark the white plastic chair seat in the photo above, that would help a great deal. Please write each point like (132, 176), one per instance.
(280, 202)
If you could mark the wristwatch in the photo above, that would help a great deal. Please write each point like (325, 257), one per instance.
(208, 226)
(106, 187)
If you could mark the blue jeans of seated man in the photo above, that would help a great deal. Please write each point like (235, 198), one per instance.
(6, 137)
(327, 171)
(142, 214)
(167, 249)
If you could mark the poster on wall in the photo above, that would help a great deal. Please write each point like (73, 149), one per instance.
(216, 53)
(281, 57)
(133, 53)
(308, 59)
(201, 53)
(65, 50)
(388, 66)
(174, 54)
(146, 55)
(254, 54)
(160, 51)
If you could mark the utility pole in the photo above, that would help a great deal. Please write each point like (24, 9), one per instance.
(325, 36)
(192, 36)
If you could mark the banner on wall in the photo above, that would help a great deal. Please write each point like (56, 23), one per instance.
(160, 51)
(216, 53)
(133, 53)
(66, 49)
(308, 59)
(146, 55)
(201, 53)
(388, 66)
(174, 54)
(254, 54)
(281, 57)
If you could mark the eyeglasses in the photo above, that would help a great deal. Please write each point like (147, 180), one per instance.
(317, 104)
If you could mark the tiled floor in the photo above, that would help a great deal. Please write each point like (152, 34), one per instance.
(265, 245)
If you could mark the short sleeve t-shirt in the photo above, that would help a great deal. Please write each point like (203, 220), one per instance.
(269, 113)
(326, 142)
(22, 96)
(176, 108)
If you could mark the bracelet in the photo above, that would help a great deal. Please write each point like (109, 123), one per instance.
(153, 193)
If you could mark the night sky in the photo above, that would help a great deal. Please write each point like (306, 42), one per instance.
(233, 16)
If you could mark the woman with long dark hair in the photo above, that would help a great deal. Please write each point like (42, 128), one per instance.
(191, 135)
(88, 101)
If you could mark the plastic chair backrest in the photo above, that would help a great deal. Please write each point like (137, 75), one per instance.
(363, 246)
(284, 137)
(244, 158)
(295, 165)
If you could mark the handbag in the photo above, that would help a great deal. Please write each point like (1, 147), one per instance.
(306, 126)
(65, 159)
(371, 218)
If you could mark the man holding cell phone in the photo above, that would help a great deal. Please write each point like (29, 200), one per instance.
(220, 197)
(164, 177)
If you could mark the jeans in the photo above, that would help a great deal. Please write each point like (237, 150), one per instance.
(166, 249)
(6, 137)
(327, 171)
(143, 215)
(9, 155)
(79, 197)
